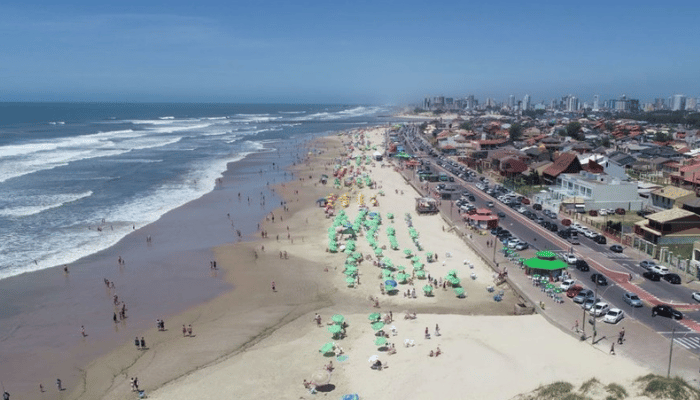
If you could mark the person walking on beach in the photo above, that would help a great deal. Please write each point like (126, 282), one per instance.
(621, 337)
(137, 343)
(59, 385)
(437, 330)
(114, 318)
(189, 330)
(143, 344)
(273, 286)
(82, 330)
(612, 348)
(575, 327)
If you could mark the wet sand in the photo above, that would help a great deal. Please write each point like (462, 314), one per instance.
(42, 313)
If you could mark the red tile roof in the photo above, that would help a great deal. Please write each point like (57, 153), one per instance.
(561, 164)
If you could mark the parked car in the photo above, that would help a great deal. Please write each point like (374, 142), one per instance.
(616, 248)
(574, 290)
(570, 258)
(537, 206)
(600, 239)
(522, 246)
(646, 264)
(659, 269)
(553, 227)
(501, 214)
(600, 308)
(566, 222)
(666, 311)
(614, 315)
(582, 295)
(490, 204)
(590, 234)
(599, 279)
(695, 296)
(567, 283)
(593, 213)
(620, 211)
(589, 303)
(525, 200)
(652, 276)
(672, 278)
(573, 239)
(582, 265)
(632, 299)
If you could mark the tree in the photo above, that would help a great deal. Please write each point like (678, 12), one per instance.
(662, 137)
(609, 126)
(605, 142)
(516, 132)
(573, 128)
(467, 126)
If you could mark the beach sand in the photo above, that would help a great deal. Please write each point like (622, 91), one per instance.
(250, 342)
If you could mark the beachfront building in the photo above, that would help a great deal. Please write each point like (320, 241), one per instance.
(665, 197)
(483, 218)
(592, 191)
(674, 226)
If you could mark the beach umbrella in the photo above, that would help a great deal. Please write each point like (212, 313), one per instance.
(415, 259)
(356, 254)
(402, 277)
(334, 329)
(378, 252)
(420, 274)
(353, 396)
(327, 348)
(374, 316)
(377, 325)
(391, 288)
(453, 280)
(428, 289)
(401, 268)
(418, 266)
(407, 252)
(452, 272)
(350, 279)
(390, 282)
(459, 291)
(380, 341)
(321, 377)
(338, 319)
(350, 271)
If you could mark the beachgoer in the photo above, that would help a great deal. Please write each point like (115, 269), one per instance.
(5, 396)
(137, 343)
(82, 330)
(437, 330)
(438, 351)
(189, 330)
(59, 385)
(41, 388)
(114, 318)
(133, 387)
(427, 333)
(143, 344)
(612, 348)
(621, 338)
(184, 330)
(575, 327)
(65, 269)
(329, 367)
(273, 286)
(432, 354)
(136, 383)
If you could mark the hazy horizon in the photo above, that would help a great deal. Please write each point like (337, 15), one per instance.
(359, 53)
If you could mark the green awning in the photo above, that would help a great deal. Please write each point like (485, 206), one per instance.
(549, 265)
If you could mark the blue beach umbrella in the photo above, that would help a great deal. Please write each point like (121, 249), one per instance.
(390, 282)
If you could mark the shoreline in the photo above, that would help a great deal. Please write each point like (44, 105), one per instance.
(47, 307)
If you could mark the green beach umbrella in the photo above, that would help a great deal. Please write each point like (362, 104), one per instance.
(420, 274)
(401, 268)
(334, 329)
(350, 279)
(407, 252)
(427, 289)
(378, 252)
(338, 319)
(380, 341)
(418, 266)
(453, 280)
(459, 291)
(452, 272)
(377, 325)
(327, 348)
(374, 316)
(415, 259)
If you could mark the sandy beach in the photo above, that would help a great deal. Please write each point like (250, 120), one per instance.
(252, 342)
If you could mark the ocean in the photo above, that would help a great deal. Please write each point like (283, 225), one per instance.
(75, 178)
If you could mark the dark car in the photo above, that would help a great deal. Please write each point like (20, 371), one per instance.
(616, 248)
(501, 214)
(553, 227)
(672, 278)
(582, 265)
(537, 206)
(600, 239)
(599, 279)
(652, 276)
(620, 211)
(666, 311)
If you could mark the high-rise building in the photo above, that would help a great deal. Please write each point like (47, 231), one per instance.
(511, 101)
(526, 102)
(596, 103)
(691, 104)
(471, 103)
(659, 104)
(678, 102)
(571, 104)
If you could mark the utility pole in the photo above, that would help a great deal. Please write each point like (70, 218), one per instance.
(670, 354)
(595, 298)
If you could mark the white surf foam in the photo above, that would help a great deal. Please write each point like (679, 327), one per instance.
(37, 204)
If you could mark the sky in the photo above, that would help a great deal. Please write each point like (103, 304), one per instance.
(371, 52)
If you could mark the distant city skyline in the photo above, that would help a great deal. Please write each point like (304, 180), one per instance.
(358, 52)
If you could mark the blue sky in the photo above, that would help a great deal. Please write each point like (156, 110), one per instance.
(345, 51)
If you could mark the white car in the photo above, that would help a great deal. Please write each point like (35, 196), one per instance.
(696, 296)
(522, 210)
(567, 284)
(600, 308)
(570, 258)
(614, 316)
(590, 234)
(659, 269)
(602, 212)
(513, 242)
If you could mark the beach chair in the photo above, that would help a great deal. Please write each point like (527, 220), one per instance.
(142, 394)
(393, 330)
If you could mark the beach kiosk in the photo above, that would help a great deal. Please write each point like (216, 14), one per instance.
(426, 205)
(545, 264)
(482, 218)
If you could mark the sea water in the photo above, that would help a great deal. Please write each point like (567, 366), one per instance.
(75, 178)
